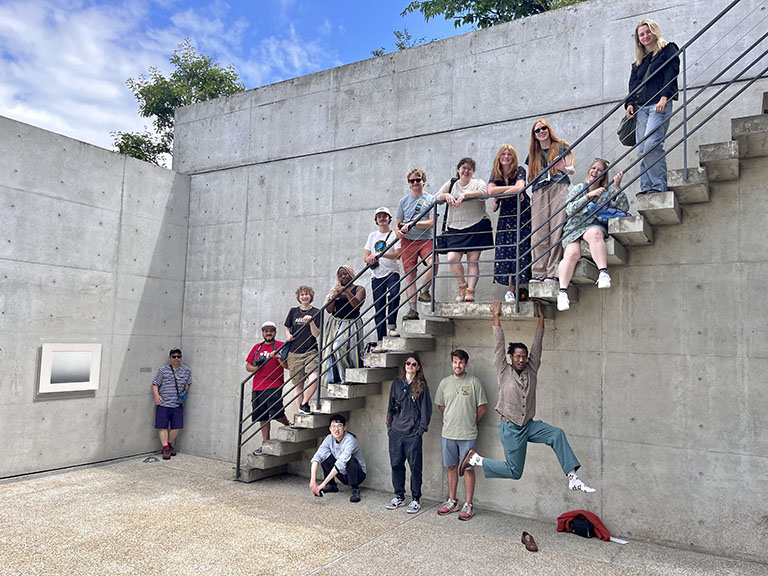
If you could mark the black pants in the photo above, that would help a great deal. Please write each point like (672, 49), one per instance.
(354, 476)
(402, 449)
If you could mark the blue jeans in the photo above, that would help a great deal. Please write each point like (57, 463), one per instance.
(653, 162)
(515, 440)
(386, 296)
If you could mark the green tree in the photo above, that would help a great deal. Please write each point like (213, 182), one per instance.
(196, 78)
(483, 13)
(403, 40)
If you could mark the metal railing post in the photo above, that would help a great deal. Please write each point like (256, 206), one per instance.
(240, 429)
(685, 122)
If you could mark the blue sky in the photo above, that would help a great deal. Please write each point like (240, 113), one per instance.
(65, 62)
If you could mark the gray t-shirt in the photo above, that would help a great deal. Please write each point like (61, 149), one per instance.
(409, 208)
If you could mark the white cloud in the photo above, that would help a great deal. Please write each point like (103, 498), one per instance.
(64, 63)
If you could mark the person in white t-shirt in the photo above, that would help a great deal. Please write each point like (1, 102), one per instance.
(386, 273)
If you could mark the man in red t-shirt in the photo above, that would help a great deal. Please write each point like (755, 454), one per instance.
(266, 397)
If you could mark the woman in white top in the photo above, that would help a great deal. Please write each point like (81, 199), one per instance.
(469, 228)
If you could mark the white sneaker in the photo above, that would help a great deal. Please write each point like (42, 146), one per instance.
(509, 297)
(575, 484)
(603, 280)
(413, 507)
(393, 333)
(563, 303)
(396, 502)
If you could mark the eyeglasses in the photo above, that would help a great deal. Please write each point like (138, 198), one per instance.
(414, 180)
(176, 356)
(337, 426)
(409, 363)
(542, 129)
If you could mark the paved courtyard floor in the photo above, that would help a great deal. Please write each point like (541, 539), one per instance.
(187, 516)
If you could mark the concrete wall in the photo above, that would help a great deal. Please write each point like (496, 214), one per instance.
(657, 382)
(92, 249)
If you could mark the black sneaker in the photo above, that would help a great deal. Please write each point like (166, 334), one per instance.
(305, 409)
(329, 488)
(355, 495)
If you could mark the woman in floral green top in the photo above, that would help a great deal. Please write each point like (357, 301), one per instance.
(584, 201)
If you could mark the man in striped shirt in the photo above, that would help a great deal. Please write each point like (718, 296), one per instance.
(167, 385)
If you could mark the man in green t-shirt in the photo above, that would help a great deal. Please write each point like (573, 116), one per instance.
(462, 401)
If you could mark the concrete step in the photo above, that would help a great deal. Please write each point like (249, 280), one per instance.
(336, 405)
(369, 375)
(481, 310)
(251, 474)
(585, 273)
(548, 291)
(265, 461)
(275, 447)
(721, 161)
(660, 208)
(354, 390)
(317, 420)
(428, 326)
(385, 359)
(765, 102)
(293, 434)
(751, 133)
(617, 254)
(631, 231)
(409, 343)
(691, 191)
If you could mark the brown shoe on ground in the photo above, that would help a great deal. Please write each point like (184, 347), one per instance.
(465, 462)
(530, 543)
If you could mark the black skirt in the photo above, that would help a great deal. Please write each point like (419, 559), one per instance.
(476, 238)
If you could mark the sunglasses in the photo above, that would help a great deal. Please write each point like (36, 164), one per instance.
(414, 180)
(542, 129)
(176, 356)
(409, 363)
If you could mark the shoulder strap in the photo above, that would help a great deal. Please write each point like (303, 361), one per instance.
(450, 189)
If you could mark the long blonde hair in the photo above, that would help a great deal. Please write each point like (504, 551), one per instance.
(534, 151)
(640, 51)
(496, 172)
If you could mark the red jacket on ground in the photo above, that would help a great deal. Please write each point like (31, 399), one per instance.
(564, 523)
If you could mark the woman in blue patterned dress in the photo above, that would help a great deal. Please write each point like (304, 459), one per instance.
(508, 177)
(584, 200)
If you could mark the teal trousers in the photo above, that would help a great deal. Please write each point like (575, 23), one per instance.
(515, 440)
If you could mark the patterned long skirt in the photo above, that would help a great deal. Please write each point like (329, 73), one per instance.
(508, 253)
(342, 348)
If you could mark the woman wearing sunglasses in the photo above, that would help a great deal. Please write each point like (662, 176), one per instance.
(469, 229)
(549, 192)
(410, 409)
(585, 202)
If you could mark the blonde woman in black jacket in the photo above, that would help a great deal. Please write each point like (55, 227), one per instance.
(652, 104)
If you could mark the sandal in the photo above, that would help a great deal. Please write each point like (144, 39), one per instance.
(462, 292)
(470, 296)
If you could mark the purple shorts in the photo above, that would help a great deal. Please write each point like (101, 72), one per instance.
(165, 415)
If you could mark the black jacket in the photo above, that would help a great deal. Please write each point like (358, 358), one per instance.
(408, 416)
(663, 84)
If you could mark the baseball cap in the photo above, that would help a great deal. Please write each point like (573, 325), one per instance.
(269, 324)
(382, 209)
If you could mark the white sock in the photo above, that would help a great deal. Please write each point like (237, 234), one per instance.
(476, 460)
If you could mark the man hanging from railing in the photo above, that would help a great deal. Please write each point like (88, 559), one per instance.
(341, 457)
(415, 238)
(517, 407)
(266, 398)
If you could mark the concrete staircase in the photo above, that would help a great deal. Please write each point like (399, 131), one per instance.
(719, 162)
(290, 442)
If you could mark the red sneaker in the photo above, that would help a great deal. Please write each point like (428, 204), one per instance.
(166, 452)
(173, 450)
